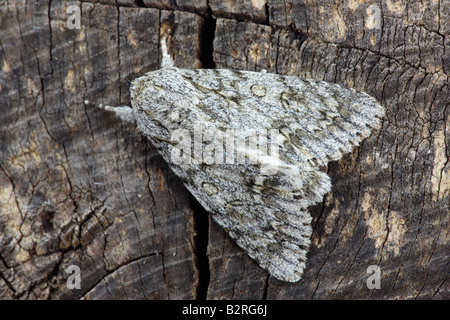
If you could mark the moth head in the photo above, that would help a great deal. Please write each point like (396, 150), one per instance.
(161, 89)
(162, 100)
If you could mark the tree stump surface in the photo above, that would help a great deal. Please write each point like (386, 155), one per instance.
(79, 187)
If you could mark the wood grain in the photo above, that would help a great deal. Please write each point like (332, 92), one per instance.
(78, 187)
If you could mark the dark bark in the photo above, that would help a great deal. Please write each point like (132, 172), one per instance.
(79, 187)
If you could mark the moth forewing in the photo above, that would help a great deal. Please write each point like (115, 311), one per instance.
(203, 122)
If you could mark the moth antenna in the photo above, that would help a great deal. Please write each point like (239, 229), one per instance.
(166, 61)
(125, 113)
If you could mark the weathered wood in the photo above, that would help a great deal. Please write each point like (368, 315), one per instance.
(249, 10)
(376, 211)
(79, 187)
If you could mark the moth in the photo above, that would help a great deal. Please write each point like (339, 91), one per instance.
(261, 200)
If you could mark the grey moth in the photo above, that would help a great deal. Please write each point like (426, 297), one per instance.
(249, 147)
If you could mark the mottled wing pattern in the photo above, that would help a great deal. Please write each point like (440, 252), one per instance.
(321, 121)
(260, 212)
(266, 214)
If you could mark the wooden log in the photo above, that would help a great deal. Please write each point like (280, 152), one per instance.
(79, 187)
